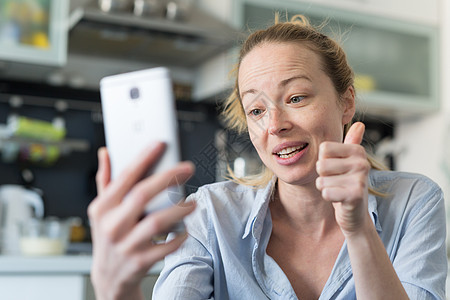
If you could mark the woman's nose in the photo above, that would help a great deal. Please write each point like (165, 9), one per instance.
(278, 121)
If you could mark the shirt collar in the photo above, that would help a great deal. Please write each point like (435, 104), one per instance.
(262, 198)
(372, 206)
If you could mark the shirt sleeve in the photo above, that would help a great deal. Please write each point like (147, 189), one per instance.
(421, 260)
(188, 272)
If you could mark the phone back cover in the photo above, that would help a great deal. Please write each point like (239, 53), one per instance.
(133, 124)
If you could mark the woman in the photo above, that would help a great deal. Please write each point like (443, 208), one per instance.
(307, 227)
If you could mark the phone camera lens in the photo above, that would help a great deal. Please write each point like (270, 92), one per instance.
(134, 93)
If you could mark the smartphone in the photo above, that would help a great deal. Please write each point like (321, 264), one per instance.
(138, 110)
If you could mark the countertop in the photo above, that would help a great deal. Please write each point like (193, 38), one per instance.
(62, 264)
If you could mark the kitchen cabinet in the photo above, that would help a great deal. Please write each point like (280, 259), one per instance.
(181, 43)
(34, 31)
(100, 44)
(55, 277)
(419, 11)
(395, 62)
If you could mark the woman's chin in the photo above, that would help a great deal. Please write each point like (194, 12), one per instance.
(297, 178)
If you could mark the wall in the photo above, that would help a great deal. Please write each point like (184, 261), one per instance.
(420, 11)
(424, 140)
(207, 86)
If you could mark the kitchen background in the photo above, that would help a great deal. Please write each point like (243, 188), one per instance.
(50, 114)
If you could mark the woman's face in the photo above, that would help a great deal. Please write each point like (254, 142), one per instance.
(291, 107)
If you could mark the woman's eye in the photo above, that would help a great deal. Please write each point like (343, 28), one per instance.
(256, 112)
(296, 99)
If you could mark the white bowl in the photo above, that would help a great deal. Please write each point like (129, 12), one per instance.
(49, 236)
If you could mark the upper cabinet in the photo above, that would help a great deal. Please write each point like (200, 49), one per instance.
(164, 40)
(79, 41)
(395, 61)
(34, 31)
(417, 11)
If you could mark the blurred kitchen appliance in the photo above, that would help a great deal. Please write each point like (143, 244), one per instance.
(115, 5)
(17, 205)
(149, 7)
(179, 10)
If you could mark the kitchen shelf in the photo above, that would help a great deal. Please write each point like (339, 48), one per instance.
(66, 145)
(162, 41)
(38, 152)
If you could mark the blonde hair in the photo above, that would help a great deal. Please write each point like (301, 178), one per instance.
(333, 62)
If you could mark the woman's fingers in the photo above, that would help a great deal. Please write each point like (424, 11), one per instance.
(335, 194)
(138, 198)
(161, 250)
(342, 179)
(343, 168)
(103, 175)
(355, 134)
(155, 224)
(116, 190)
(134, 172)
(337, 166)
(339, 150)
(343, 172)
(148, 256)
(122, 218)
(342, 187)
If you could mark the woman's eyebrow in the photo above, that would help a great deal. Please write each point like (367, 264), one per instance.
(250, 91)
(285, 82)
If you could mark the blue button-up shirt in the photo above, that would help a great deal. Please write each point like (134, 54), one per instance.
(225, 255)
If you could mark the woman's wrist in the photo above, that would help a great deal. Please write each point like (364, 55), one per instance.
(129, 293)
(133, 294)
(361, 232)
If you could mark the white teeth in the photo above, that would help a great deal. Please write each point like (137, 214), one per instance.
(287, 155)
(289, 151)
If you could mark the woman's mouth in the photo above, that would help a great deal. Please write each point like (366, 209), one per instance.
(291, 151)
(290, 155)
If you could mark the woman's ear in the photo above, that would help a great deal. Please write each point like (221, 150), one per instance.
(348, 104)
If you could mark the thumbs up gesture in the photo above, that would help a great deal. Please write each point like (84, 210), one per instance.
(343, 172)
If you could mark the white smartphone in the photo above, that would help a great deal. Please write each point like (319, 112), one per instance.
(139, 109)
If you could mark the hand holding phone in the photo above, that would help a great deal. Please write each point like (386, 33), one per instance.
(120, 235)
(138, 110)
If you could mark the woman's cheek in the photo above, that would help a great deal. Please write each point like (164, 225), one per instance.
(256, 140)
(255, 130)
(258, 128)
(254, 137)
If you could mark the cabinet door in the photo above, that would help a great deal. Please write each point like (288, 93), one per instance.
(395, 63)
(34, 31)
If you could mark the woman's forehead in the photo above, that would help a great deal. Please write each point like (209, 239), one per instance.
(279, 50)
(278, 58)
